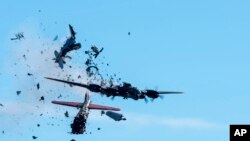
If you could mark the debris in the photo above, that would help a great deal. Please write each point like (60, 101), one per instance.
(98, 128)
(129, 33)
(24, 56)
(66, 114)
(102, 112)
(42, 98)
(68, 46)
(55, 38)
(34, 137)
(96, 51)
(29, 74)
(19, 36)
(59, 96)
(38, 125)
(3, 132)
(1, 104)
(90, 71)
(38, 86)
(18, 92)
(73, 140)
(115, 116)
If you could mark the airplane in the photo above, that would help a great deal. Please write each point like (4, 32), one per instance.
(79, 123)
(126, 90)
(68, 46)
(19, 36)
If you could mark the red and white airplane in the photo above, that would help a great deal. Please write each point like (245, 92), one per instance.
(79, 124)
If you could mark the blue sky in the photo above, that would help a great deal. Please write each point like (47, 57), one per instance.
(198, 47)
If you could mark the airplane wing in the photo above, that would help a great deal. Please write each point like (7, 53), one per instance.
(71, 104)
(72, 32)
(100, 107)
(68, 82)
(169, 92)
(91, 106)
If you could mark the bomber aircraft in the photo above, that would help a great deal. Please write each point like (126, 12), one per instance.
(126, 90)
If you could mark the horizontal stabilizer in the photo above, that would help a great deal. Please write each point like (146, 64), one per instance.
(100, 107)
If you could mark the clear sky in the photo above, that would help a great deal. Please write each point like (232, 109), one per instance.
(198, 47)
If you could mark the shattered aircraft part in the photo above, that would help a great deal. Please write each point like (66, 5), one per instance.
(68, 46)
(115, 116)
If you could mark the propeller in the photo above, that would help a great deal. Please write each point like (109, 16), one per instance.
(113, 97)
(146, 100)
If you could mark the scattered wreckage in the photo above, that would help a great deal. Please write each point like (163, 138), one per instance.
(124, 90)
(18, 36)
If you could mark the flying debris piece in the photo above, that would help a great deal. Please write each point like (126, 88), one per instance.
(19, 36)
(66, 114)
(68, 46)
(102, 112)
(38, 125)
(90, 70)
(24, 56)
(1, 104)
(73, 140)
(129, 33)
(29, 74)
(96, 51)
(38, 86)
(115, 116)
(18, 92)
(99, 128)
(42, 98)
(59, 96)
(79, 124)
(55, 38)
(34, 137)
(89, 62)
(3, 132)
